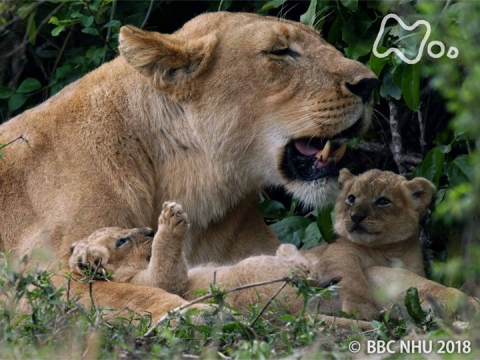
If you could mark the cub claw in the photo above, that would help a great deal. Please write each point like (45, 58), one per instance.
(173, 217)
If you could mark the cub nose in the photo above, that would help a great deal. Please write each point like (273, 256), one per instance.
(357, 218)
(363, 88)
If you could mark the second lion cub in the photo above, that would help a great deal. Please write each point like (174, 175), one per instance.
(377, 216)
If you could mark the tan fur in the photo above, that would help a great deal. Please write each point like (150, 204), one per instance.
(382, 235)
(359, 258)
(138, 259)
(200, 116)
(167, 270)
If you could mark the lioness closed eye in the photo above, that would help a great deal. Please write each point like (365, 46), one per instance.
(377, 218)
(135, 255)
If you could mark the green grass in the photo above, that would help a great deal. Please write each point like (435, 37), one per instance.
(51, 326)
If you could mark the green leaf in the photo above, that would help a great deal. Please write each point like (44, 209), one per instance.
(289, 230)
(29, 85)
(412, 303)
(32, 37)
(76, 15)
(98, 55)
(113, 23)
(87, 21)
(91, 31)
(325, 224)
(432, 166)
(350, 4)
(56, 31)
(377, 64)
(459, 171)
(5, 92)
(53, 20)
(309, 17)
(411, 86)
(271, 5)
(358, 49)
(445, 149)
(24, 10)
(287, 318)
(271, 209)
(335, 31)
(388, 88)
(16, 101)
(311, 237)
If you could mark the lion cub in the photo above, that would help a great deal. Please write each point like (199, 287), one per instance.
(135, 255)
(377, 216)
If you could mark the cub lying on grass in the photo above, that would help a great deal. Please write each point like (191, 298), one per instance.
(128, 253)
(377, 218)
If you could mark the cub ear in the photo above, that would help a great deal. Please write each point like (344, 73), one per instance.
(167, 60)
(422, 192)
(146, 231)
(344, 176)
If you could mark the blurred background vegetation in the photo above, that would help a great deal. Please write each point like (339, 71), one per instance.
(425, 121)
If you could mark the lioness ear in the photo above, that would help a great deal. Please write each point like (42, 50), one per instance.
(168, 60)
(344, 176)
(422, 192)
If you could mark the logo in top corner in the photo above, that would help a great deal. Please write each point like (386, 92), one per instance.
(452, 51)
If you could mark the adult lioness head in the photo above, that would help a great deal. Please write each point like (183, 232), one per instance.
(267, 93)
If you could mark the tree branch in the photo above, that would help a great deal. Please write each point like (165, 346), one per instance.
(396, 144)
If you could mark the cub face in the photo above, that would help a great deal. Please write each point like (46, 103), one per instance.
(110, 248)
(380, 207)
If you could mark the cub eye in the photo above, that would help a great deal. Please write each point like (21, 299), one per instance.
(351, 199)
(382, 202)
(283, 52)
(122, 241)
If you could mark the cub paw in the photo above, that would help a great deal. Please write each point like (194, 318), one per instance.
(363, 310)
(286, 250)
(173, 218)
(91, 260)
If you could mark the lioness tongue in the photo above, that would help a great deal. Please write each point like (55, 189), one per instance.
(305, 149)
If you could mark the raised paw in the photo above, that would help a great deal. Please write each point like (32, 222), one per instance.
(288, 250)
(173, 218)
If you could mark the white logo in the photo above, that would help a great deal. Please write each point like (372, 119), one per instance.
(452, 51)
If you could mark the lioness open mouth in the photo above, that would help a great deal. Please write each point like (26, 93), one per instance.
(313, 158)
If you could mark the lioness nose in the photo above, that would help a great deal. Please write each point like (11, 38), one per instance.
(357, 218)
(363, 88)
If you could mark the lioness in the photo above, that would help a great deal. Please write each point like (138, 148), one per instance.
(390, 208)
(209, 115)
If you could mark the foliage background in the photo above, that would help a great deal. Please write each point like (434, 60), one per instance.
(425, 122)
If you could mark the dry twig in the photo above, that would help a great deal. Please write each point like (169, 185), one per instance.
(21, 137)
(268, 304)
(212, 295)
